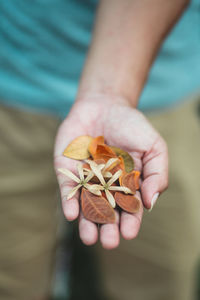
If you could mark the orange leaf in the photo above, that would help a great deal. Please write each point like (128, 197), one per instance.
(96, 208)
(78, 148)
(136, 179)
(130, 180)
(128, 203)
(99, 140)
(104, 152)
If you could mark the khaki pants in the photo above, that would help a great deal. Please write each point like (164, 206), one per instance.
(27, 204)
(160, 264)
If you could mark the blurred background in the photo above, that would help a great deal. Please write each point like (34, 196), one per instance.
(43, 45)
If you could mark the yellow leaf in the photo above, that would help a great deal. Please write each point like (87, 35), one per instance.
(78, 148)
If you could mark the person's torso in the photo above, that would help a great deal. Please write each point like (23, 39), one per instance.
(43, 48)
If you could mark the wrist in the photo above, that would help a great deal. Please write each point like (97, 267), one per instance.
(114, 93)
(102, 97)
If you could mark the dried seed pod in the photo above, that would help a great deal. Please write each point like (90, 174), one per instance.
(97, 161)
(78, 148)
(128, 203)
(96, 208)
(87, 166)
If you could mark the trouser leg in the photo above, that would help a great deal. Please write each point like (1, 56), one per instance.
(161, 262)
(27, 204)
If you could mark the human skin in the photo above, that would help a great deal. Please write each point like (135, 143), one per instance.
(126, 39)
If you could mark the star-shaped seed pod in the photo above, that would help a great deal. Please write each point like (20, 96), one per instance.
(107, 186)
(105, 167)
(81, 180)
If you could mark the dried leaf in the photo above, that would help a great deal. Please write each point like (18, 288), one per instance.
(128, 203)
(128, 160)
(137, 179)
(104, 152)
(96, 208)
(93, 144)
(130, 180)
(78, 148)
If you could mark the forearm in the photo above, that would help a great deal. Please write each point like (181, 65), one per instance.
(126, 39)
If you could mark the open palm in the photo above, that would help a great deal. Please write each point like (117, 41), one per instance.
(124, 127)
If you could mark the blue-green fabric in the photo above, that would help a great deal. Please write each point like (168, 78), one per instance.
(43, 44)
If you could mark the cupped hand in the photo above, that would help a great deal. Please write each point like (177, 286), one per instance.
(123, 127)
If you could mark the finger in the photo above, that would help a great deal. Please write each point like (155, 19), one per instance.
(155, 173)
(130, 223)
(109, 234)
(88, 231)
(70, 206)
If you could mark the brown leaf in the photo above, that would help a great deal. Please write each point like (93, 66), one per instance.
(99, 140)
(128, 203)
(96, 208)
(128, 160)
(78, 148)
(130, 180)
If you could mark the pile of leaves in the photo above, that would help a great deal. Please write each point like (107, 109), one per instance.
(106, 177)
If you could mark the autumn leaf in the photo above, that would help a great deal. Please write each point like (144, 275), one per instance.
(130, 180)
(128, 160)
(96, 208)
(104, 152)
(78, 148)
(92, 147)
(128, 203)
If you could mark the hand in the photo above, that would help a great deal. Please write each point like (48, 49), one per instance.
(124, 127)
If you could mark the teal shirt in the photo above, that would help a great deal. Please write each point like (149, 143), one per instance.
(43, 44)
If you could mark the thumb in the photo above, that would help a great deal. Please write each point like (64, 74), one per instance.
(155, 173)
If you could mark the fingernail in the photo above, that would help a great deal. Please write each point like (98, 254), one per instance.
(153, 201)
